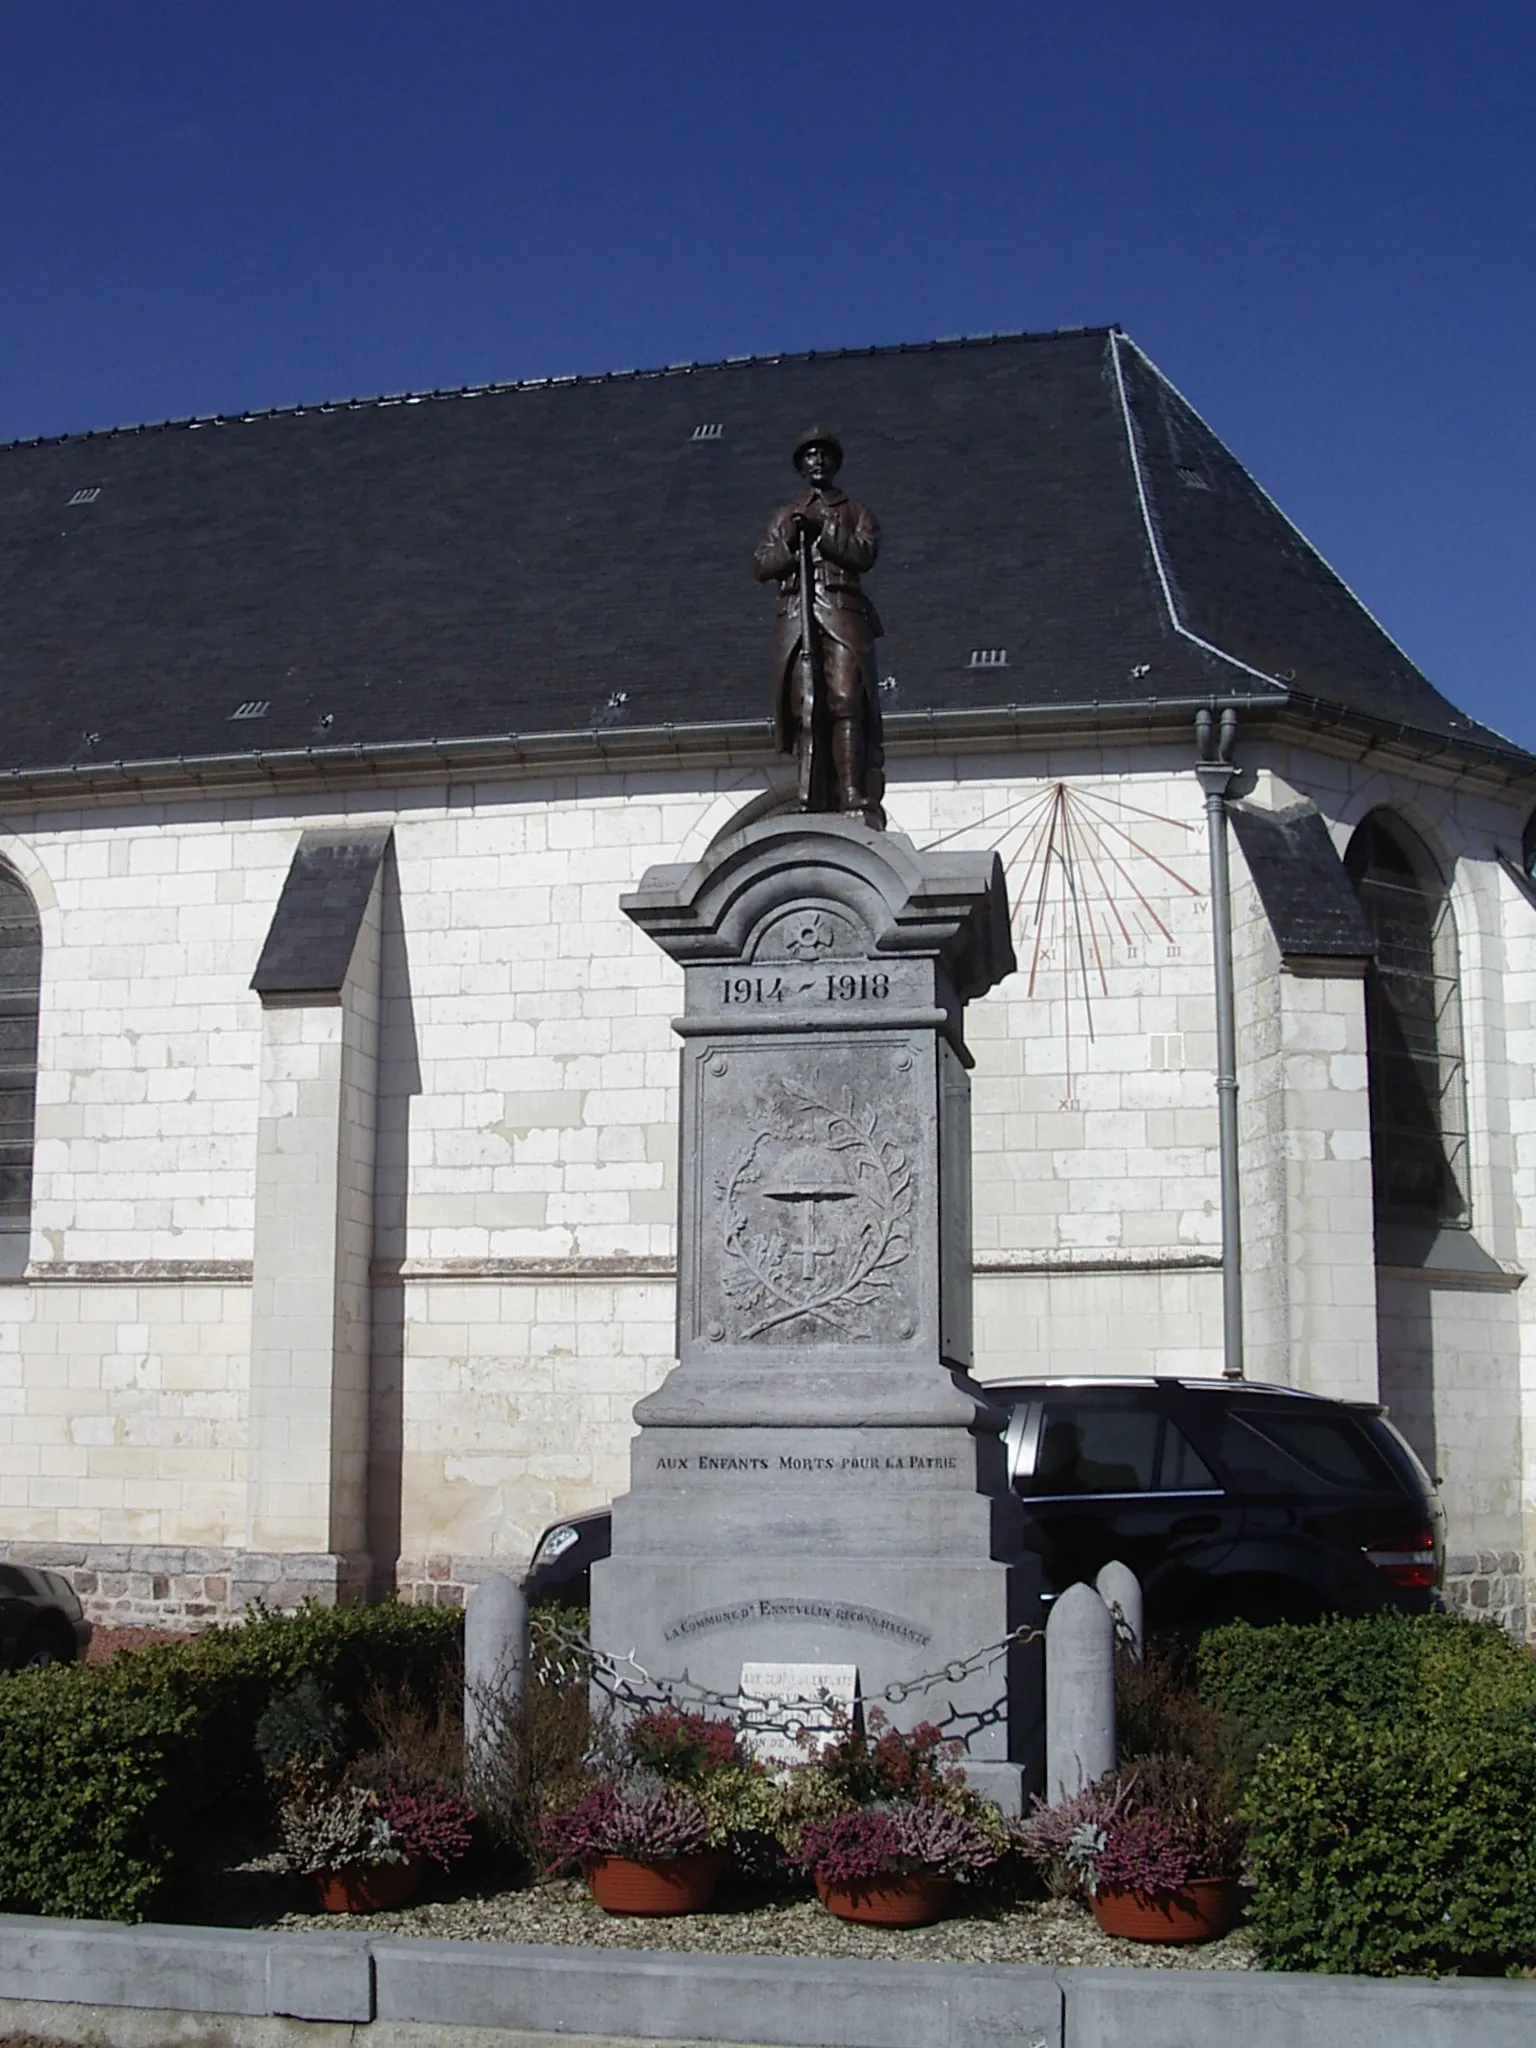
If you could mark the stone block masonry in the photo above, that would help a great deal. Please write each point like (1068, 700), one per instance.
(144, 1585)
(524, 1192)
(1490, 1585)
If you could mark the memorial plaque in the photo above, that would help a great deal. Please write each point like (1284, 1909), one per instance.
(794, 1702)
(818, 1481)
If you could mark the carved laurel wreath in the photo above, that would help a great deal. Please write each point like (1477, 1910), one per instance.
(762, 1281)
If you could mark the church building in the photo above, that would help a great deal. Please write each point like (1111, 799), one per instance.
(338, 1096)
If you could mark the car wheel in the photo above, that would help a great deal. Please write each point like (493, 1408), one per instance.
(42, 1646)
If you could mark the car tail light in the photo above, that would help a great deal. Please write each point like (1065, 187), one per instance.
(1410, 1564)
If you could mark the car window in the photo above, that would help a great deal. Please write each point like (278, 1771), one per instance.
(1294, 1451)
(1085, 1448)
(1183, 1470)
(12, 1581)
(1333, 1446)
(1399, 1454)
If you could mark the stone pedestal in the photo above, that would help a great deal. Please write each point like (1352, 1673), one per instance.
(818, 1480)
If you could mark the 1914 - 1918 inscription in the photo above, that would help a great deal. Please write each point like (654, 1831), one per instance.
(828, 988)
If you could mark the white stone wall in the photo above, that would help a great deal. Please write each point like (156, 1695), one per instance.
(524, 1189)
(149, 1044)
(1097, 1227)
(312, 1306)
(516, 1407)
(1518, 917)
(1305, 1147)
(123, 1412)
(1456, 1352)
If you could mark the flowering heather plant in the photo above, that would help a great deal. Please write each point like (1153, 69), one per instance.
(437, 1827)
(888, 1763)
(871, 1841)
(1150, 1830)
(852, 1848)
(1066, 1838)
(934, 1837)
(323, 1826)
(647, 1824)
(1145, 1851)
(682, 1748)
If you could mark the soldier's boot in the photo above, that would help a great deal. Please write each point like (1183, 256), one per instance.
(848, 759)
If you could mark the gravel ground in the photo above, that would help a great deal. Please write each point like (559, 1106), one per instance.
(1035, 1931)
(246, 1891)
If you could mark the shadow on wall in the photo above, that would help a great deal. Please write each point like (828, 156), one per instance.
(1406, 1342)
(399, 1078)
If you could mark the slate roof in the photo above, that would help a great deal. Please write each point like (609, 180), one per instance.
(313, 934)
(572, 557)
(1306, 892)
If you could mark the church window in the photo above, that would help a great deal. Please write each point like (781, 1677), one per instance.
(1528, 847)
(21, 960)
(1413, 1026)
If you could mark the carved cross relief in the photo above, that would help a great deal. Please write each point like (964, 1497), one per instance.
(815, 1213)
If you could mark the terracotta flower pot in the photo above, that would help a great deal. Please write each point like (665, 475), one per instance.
(896, 1898)
(1202, 1911)
(369, 1887)
(680, 1884)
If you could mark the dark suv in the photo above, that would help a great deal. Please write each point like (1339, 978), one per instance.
(41, 1620)
(1228, 1500)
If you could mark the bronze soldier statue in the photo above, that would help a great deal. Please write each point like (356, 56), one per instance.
(826, 705)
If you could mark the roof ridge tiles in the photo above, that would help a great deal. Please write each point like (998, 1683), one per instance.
(496, 388)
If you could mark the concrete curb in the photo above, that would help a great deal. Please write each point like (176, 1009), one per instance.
(660, 1995)
(187, 1969)
(136, 1986)
(1276, 2009)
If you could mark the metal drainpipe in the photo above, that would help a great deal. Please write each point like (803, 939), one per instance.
(1215, 770)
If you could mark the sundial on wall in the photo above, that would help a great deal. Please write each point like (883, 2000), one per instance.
(1095, 885)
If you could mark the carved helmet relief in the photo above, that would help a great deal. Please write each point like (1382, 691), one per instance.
(809, 933)
(815, 1211)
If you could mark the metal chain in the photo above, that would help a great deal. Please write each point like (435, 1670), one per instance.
(627, 1683)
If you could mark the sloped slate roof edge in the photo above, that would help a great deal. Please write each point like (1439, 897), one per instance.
(907, 733)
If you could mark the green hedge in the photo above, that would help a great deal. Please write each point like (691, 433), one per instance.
(1380, 1670)
(1392, 1805)
(109, 1773)
(1396, 1849)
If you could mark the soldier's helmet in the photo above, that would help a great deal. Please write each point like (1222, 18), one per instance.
(825, 437)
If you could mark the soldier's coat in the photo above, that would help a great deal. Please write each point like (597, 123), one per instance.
(846, 547)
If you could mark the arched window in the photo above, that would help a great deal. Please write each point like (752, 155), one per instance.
(1413, 1026)
(21, 964)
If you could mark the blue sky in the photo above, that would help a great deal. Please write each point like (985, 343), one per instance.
(1316, 217)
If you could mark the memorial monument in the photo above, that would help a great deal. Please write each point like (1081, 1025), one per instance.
(818, 1481)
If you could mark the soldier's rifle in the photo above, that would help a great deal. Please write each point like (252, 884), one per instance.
(812, 707)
